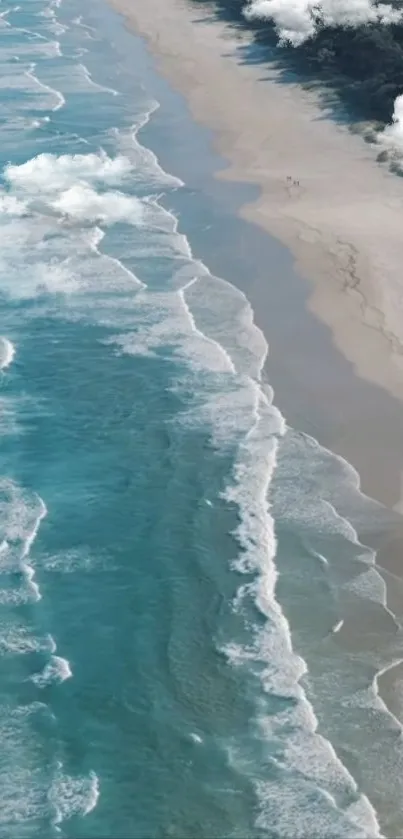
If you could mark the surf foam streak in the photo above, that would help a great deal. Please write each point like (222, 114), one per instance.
(71, 796)
(82, 203)
(95, 85)
(60, 100)
(146, 164)
(7, 353)
(78, 21)
(50, 15)
(56, 670)
(50, 173)
(18, 639)
(21, 515)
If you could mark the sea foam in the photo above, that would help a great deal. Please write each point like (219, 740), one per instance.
(7, 353)
(73, 796)
(56, 670)
(53, 173)
(52, 209)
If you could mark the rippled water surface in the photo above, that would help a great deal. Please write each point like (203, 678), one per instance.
(177, 567)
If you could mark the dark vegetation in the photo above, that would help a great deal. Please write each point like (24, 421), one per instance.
(363, 65)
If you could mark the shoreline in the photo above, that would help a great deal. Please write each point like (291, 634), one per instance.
(342, 245)
(333, 242)
(354, 412)
(389, 538)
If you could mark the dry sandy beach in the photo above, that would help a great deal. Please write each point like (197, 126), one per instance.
(343, 221)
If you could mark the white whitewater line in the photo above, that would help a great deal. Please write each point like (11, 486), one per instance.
(93, 796)
(141, 122)
(97, 86)
(79, 22)
(4, 14)
(25, 31)
(375, 687)
(32, 536)
(52, 643)
(22, 28)
(221, 349)
(354, 476)
(8, 354)
(33, 587)
(83, 203)
(370, 565)
(57, 670)
(50, 14)
(72, 796)
(59, 96)
(26, 568)
(184, 247)
(52, 174)
(349, 529)
(99, 235)
(19, 641)
(246, 323)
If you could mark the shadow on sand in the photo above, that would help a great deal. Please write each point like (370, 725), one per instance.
(342, 98)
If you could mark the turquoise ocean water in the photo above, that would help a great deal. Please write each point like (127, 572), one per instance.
(177, 567)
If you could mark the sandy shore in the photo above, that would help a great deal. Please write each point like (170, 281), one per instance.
(342, 222)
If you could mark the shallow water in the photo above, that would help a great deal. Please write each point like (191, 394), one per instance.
(153, 682)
